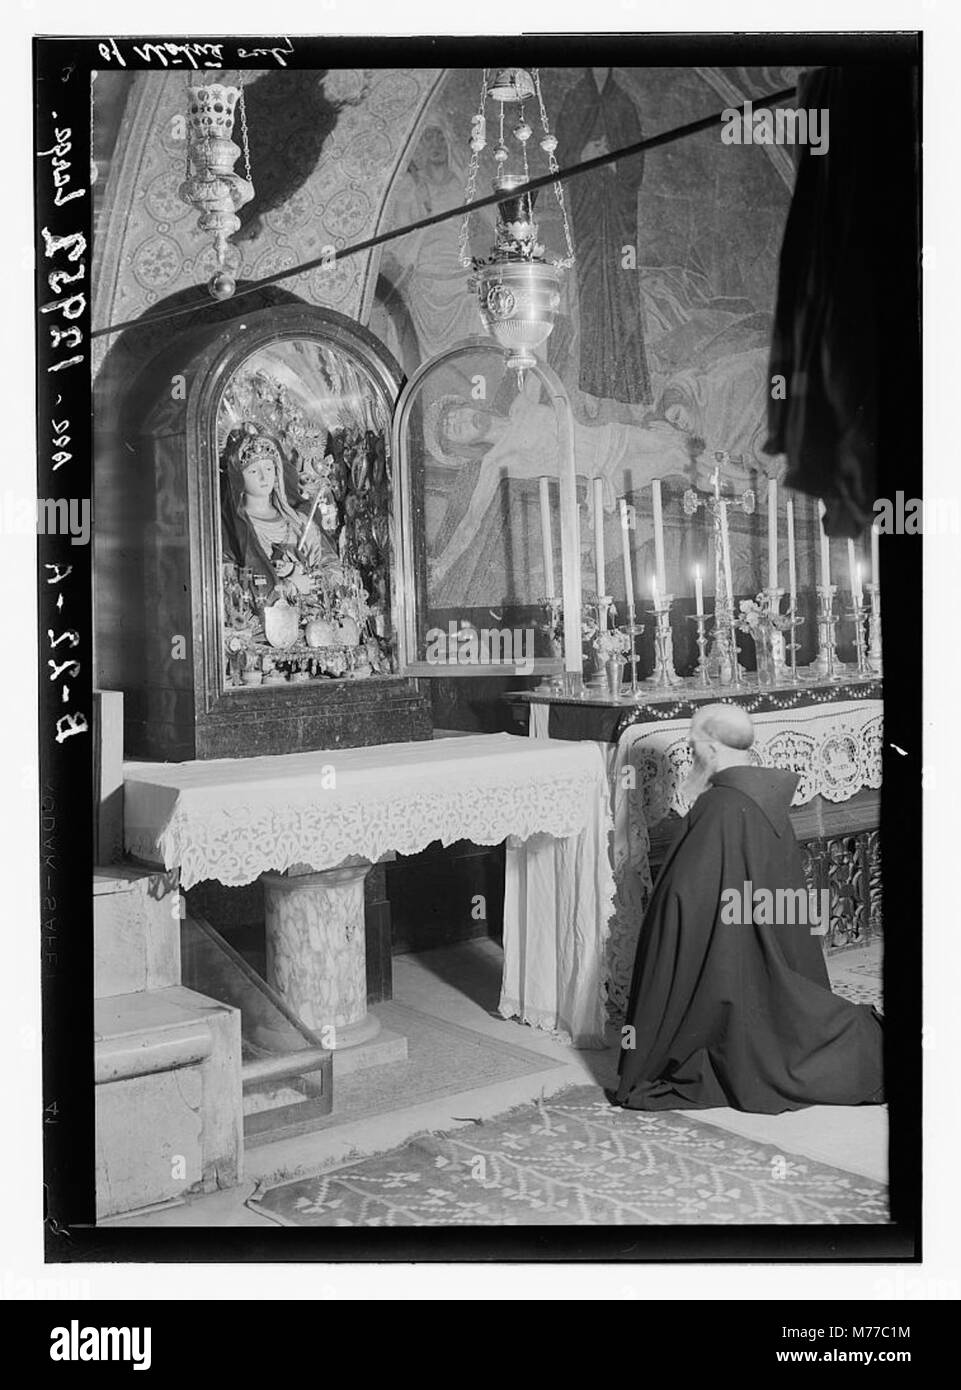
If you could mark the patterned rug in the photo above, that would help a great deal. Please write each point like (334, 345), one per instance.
(575, 1160)
(856, 974)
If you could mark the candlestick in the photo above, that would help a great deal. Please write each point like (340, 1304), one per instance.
(826, 665)
(825, 550)
(773, 625)
(633, 629)
(547, 541)
(772, 533)
(793, 645)
(791, 559)
(874, 645)
(658, 534)
(664, 672)
(599, 564)
(698, 590)
(628, 576)
(702, 671)
(858, 614)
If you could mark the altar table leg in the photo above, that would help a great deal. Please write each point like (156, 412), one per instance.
(316, 951)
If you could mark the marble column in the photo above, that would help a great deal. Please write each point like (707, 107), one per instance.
(316, 950)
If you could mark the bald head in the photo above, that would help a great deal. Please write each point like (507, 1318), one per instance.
(728, 725)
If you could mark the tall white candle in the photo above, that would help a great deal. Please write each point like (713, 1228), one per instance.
(626, 534)
(772, 533)
(825, 550)
(852, 571)
(698, 590)
(875, 558)
(654, 594)
(791, 559)
(726, 554)
(547, 540)
(658, 535)
(599, 565)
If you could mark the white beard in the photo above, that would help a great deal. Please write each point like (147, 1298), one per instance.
(696, 781)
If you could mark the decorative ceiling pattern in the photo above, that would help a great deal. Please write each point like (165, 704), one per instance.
(312, 192)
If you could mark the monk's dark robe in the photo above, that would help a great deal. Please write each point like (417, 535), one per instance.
(739, 1014)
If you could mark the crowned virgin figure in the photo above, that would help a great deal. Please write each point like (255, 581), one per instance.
(262, 531)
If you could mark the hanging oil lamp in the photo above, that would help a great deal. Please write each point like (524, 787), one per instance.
(211, 185)
(517, 287)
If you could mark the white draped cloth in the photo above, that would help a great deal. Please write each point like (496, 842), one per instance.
(234, 819)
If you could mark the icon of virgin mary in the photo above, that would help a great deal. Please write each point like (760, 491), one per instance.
(262, 531)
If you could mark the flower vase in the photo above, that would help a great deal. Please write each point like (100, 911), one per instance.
(614, 671)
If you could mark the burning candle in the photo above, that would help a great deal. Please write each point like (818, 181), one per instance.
(698, 590)
(825, 550)
(772, 533)
(626, 533)
(791, 560)
(875, 558)
(658, 534)
(546, 539)
(599, 565)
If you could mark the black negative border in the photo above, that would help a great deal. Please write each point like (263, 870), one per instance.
(61, 82)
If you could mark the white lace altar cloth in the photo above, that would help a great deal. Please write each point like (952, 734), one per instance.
(233, 819)
(834, 748)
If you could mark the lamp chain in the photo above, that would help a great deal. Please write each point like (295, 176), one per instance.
(568, 260)
(463, 249)
(243, 133)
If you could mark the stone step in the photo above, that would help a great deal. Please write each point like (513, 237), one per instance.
(168, 1097)
(136, 931)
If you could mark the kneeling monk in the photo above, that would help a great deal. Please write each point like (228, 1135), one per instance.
(733, 1007)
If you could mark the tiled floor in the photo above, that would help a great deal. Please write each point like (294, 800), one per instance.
(460, 984)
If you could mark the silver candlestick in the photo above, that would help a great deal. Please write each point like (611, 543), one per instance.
(793, 645)
(633, 629)
(702, 672)
(826, 665)
(664, 672)
(874, 646)
(858, 614)
(770, 602)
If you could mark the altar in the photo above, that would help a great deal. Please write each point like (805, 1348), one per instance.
(312, 824)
